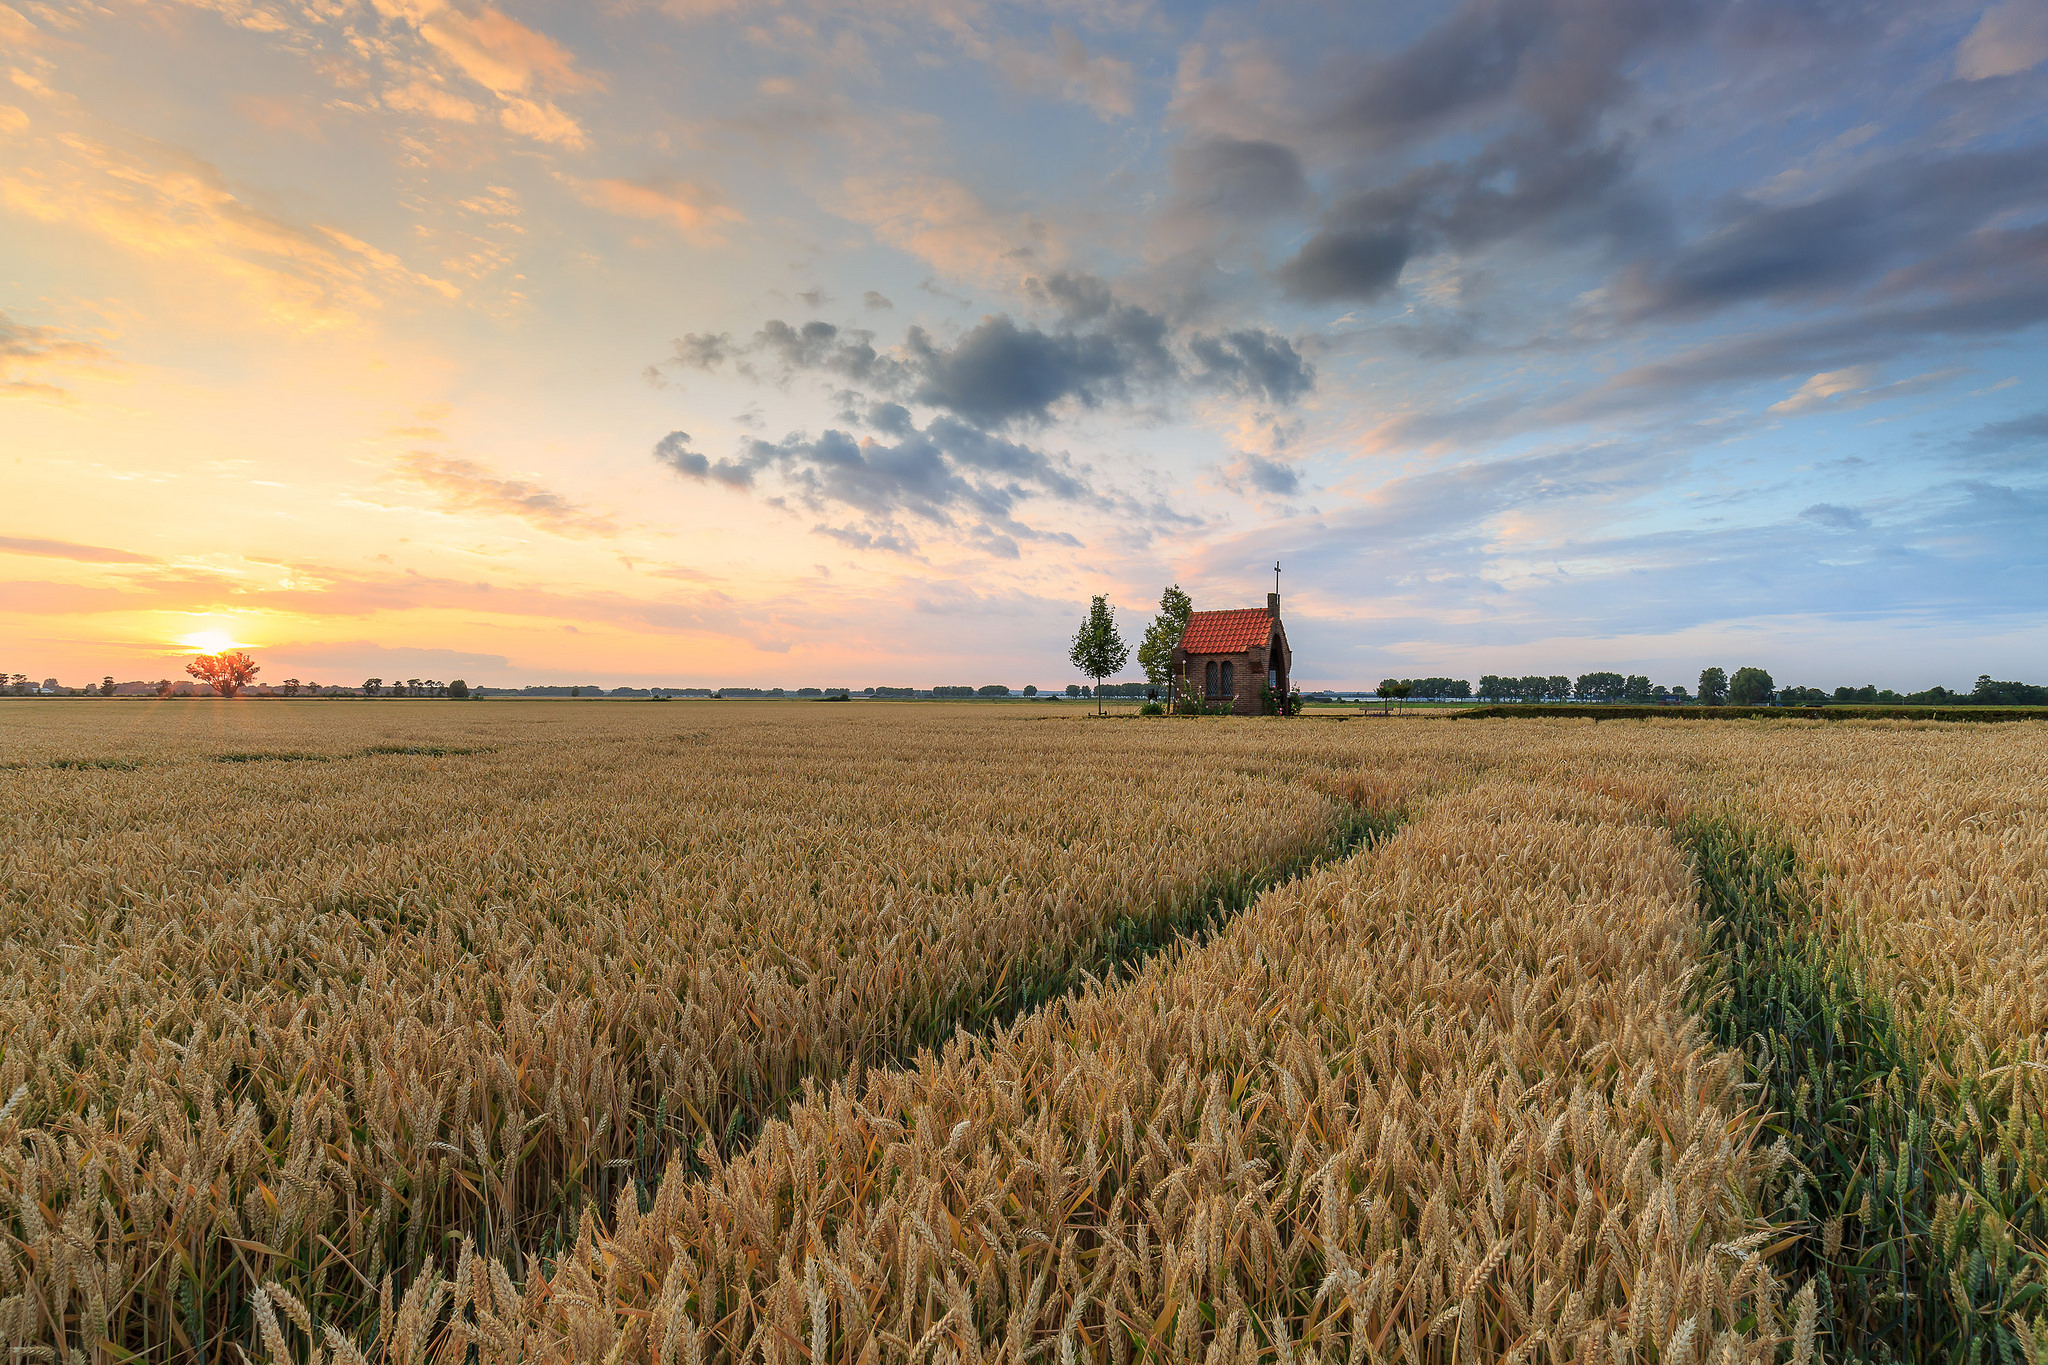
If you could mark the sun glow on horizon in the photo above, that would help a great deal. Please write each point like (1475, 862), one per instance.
(209, 641)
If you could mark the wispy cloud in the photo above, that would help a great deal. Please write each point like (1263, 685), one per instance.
(34, 358)
(64, 549)
(691, 209)
(466, 486)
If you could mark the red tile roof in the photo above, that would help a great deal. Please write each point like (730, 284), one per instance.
(1227, 632)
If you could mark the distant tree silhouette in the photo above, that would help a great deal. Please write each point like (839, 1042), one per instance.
(227, 672)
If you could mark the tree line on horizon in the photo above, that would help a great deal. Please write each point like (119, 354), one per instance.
(1099, 651)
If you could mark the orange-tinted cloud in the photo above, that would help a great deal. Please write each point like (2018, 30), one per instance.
(468, 486)
(158, 201)
(30, 356)
(690, 208)
(503, 55)
(944, 223)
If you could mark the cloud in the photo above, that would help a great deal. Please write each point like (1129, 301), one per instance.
(1940, 209)
(1513, 185)
(1002, 373)
(1561, 61)
(1841, 390)
(465, 485)
(31, 356)
(1274, 477)
(691, 209)
(1255, 363)
(1101, 82)
(424, 96)
(159, 202)
(946, 224)
(1824, 389)
(1237, 178)
(1836, 517)
(64, 549)
(500, 53)
(950, 474)
(543, 122)
(875, 299)
(2016, 442)
(674, 451)
(1348, 263)
(2009, 39)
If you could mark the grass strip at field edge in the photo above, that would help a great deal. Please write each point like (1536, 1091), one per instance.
(1917, 1193)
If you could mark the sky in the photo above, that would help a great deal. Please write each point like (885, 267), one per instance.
(821, 343)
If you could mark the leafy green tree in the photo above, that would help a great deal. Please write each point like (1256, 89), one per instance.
(1391, 690)
(1099, 651)
(458, 689)
(107, 686)
(1557, 687)
(1030, 689)
(372, 686)
(1600, 687)
(993, 690)
(1073, 689)
(1637, 689)
(291, 687)
(1750, 687)
(1713, 687)
(1155, 651)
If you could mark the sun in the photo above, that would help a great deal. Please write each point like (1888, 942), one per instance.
(208, 641)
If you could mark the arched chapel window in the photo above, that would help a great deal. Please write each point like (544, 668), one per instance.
(1229, 690)
(1209, 678)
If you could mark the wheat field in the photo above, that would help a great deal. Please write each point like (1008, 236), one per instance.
(704, 1032)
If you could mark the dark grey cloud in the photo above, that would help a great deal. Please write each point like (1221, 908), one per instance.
(2028, 433)
(701, 350)
(1238, 178)
(876, 299)
(1269, 476)
(1253, 362)
(1352, 261)
(963, 469)
(1516, 184)
(1004, 373)
(1931, 207)
(1560, 61)
(822, 346)
(674, 451)
(1001, 373)
(950, 474)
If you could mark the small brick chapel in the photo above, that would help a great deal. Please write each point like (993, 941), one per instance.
(1226, 656)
